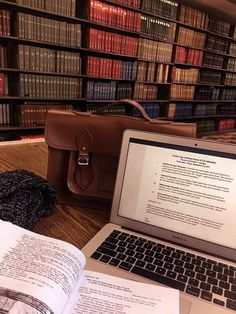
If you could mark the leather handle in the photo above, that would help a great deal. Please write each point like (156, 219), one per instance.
(130, 102)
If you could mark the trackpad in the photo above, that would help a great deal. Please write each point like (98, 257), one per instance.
(185, 306)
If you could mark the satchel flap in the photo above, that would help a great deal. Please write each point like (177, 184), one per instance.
(62, 129)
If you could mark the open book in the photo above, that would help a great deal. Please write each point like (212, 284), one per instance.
(39, 275)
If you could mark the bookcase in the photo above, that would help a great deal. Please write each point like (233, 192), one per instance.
(178, 61)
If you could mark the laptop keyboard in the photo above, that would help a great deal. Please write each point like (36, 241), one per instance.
(196, 275)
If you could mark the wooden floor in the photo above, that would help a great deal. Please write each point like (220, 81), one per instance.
(72, 224)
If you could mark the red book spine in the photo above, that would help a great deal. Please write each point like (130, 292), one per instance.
(2, 81)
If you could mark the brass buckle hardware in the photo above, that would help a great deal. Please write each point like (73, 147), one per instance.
(83, 159)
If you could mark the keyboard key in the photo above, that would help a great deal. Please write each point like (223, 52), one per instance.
(109, 245)
(189, 273)
(160, 270)
(230, 304)
(140, 249)
(131, 247)
(158, 262)
(196, 262)
(228, 272)
(224, 285)
(159, 256)
(206, 265)
(120, 249)
(105, 251)
(166, 252)
(212, 281)
(121, 256)
(178, 262)
(233, 288)
(193, 282)
(129, 252)
(222, 277)
(105, 258)
(193, 291)
(230, 295)
(201, 258)
(211, 261)
(206, 295)
(205, 286)
(140, 263)
(149, 252)
(218, 268)
(125, 266)
(185, 258)
(168, 259)
(139, 255)
(130, 260)
(148, 259)
(112, 240)
(219, 302)
(211, 273)
(96, 255)
(150, 267)
(168, 266)
(232, 280)
(158, 278)
(114, 262)
(176, 255)
(200, 270)
(171, 274)
(189, 266)
(217, 290)
(201, 277)
(182, 278)
(179, 270)
(122, 243)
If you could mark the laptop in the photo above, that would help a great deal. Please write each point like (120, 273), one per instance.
(173, 220)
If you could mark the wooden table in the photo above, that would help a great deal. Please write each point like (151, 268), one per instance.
(72, 224)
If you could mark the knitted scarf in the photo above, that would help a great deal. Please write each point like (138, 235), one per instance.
(25, 198)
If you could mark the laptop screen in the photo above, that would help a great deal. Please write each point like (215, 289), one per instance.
(185, 189)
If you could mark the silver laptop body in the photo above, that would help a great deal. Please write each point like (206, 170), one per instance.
(178, 194)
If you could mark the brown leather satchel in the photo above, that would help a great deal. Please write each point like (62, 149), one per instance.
(84, 150)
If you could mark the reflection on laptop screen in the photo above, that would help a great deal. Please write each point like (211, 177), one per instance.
(183, 189)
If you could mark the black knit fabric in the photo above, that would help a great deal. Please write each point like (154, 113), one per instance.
(25, 197)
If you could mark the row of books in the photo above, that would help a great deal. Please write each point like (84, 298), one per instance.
(5, 119)
(167, 8)
(230, 79)
(191, 38)
(3, 84)
(217, 25)
(110, 68)
(205, 126)
(228, 94)
(231, 64)
(145, 91)
(227, 108)
(178, 111)
(214, 43)
(3, 56)
(206, 109)
(129, 3)
(188, 56)
(117, 110)
(46, 86)
(226, 124)
(43, 59)
(48, 30)
(178, 91)
(154, 50)
(207, 93)
(232, 49)
(213, 60)
(152, 72)
(152, 109)
(158, 28)
(34, 114)
(5, 28)
(111, 42)
(183, 75)
(100, 90)
(193, 17)
(57, 6)
(210, 77)
(113, 16)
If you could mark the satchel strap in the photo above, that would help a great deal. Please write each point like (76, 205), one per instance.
(130, 102)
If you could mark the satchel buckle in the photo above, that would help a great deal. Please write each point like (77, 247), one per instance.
(83, 159)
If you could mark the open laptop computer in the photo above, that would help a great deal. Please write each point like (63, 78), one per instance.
(173, 220)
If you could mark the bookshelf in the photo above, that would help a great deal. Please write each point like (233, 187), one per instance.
(177, 60)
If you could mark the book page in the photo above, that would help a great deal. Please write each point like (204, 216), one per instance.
(37, 274)
(100, 293)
